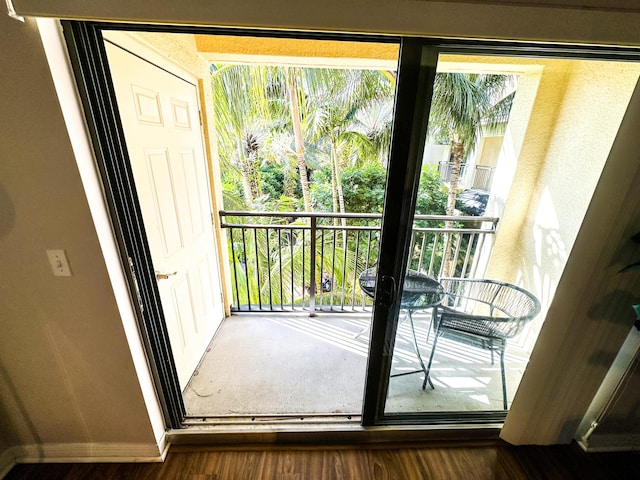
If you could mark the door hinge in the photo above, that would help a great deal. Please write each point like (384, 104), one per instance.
(135, 284)
(200, 117)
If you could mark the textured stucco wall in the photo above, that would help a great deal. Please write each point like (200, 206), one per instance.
(308, 52)
(543, 193)
(584, 106)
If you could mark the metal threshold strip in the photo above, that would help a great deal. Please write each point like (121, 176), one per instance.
(339, 422)
(272, 420)
(314, 430)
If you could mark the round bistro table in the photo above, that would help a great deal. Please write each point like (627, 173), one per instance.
(419, 292)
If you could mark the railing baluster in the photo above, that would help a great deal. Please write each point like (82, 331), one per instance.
(411, 245)
(246, 268)
(321, 268)
(333, 268)
(424, 239)
(345, 243)
(291, 262)
(366, 266)
(255, 245)
(280, 267)
(312, 267)
(432, 262)
(355, 271)
(269, 270)
(235, 268)
(454, 263)
(304, 287)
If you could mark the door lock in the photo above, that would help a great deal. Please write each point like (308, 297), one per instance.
(386, 293)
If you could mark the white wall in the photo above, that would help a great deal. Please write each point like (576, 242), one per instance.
(68, 386)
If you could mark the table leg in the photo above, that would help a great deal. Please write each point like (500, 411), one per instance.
(417, 349)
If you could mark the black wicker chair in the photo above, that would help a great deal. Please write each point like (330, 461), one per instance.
(483, 313)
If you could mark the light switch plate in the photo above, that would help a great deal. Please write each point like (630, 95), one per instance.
(59, 263)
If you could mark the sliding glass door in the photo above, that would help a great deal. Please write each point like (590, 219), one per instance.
(416, 73)
(495, 155)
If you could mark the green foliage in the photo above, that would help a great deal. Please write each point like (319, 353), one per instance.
(363, 188)
(432, 195)
(321, 190)
(276, 184)
(465, 105)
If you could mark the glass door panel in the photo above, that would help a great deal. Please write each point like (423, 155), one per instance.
(497, 184)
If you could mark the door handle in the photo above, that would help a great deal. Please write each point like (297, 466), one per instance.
(164, 276)
(386, 291)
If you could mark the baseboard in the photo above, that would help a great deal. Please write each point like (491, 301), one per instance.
(90, 453)
(601, 443)
(7, 461)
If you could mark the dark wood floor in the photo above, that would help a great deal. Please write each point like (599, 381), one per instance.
(496, 461)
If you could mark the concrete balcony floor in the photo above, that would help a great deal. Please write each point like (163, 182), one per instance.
(293, 364)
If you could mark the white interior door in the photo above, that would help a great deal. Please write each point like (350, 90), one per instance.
(161, 120)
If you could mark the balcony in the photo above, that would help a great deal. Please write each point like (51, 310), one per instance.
(296, 344)
(481, 179)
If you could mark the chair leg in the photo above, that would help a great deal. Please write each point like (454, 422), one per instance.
(504, 380)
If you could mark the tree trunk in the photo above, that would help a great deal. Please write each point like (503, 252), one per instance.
(246, 183)
(457, 156)
(299, 140)
(338, 190)
(336, 168)
(245, 170)
(334, 191)
(256, 187)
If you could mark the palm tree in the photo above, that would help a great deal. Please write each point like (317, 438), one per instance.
(342, 98)
(296, 122)
(373, 122)
(243, 120)
(464, 106)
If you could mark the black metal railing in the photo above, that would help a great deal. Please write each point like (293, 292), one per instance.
(296, 261)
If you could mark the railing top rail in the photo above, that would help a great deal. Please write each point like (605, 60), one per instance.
(300, 226)
(237, 213)
(461, 218)
(259, 226)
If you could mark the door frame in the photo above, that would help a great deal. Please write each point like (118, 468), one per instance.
(88, 58)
